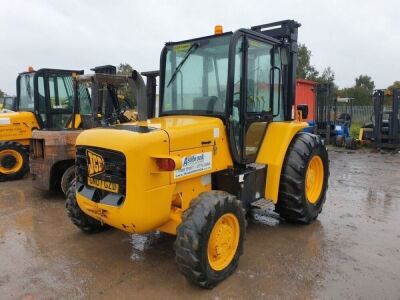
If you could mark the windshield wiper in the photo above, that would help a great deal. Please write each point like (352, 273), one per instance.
(190, 51)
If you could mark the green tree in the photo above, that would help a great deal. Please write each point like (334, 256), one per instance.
(304, 68)
(1, 94)
(327, 76)
(361, 91)
(365, 81)
(361, 95)
(124, 69)
(395, 85)
(126, 93)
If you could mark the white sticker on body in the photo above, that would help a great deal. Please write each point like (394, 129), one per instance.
(194, 164)
(5, 121)
(216, 132)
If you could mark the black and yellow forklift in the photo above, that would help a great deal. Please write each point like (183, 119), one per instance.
(384, 130)
(43, 101)
(227, 136)
(99, 100)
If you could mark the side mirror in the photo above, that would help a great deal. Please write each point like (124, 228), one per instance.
(303, 108)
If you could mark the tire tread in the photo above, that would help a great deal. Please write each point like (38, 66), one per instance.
(191, 239)
(292, 204)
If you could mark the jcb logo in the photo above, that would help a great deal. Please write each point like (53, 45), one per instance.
(95, 163)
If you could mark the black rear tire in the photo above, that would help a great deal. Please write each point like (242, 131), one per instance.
(351, 143)
(67, 178)
(339, 141)
(23, 152)
(84, 222)
(191, 245)
(293, 204)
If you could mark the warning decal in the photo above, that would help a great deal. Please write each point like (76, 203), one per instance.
(194, 164)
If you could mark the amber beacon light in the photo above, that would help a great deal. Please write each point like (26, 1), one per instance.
(218, 29)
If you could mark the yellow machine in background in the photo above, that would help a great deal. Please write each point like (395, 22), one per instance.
(8, 103)
(96, 104)
(44, 99)
(225, 139)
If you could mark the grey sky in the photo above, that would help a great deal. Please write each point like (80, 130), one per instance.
(353, 37)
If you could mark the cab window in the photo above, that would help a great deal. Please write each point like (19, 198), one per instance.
(61, 92)
(26, 92)
(258, 77)
(61, 100)
(195, 77)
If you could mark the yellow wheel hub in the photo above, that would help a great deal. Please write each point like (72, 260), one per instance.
(223, 242)
(11, 161)
(314, 179)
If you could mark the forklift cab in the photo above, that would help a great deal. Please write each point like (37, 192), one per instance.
(8, 103)
(245, 78)
(99, 100)
(48, 93)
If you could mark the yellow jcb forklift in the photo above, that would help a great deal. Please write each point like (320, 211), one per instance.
(227, 137)
(8, 104)
(97, 103)
(44, 101)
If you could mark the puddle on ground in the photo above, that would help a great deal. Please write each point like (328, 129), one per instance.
(142, 242)
(351, 251)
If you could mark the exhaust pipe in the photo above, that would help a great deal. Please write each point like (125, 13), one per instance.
(138, 88)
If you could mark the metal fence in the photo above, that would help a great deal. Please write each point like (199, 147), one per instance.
(361, 114)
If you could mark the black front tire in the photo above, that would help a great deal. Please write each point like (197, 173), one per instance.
(293, 204)
(84, 222)
(23, 151)
(67, 178)
(193, 236)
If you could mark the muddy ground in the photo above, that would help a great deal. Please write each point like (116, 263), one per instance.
(351, 252)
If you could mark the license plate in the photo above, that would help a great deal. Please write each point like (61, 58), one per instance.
(103, 185)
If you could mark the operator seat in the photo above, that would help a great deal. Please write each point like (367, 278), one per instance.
(344, 119)
(209, 104)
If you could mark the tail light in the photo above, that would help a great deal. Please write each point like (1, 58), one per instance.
(166, 164)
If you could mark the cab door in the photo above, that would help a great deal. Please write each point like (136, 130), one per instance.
(59, 99)
(256, 93)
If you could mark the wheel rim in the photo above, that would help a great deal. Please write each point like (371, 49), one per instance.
(314, 179)
(223, 242)
(11, 161)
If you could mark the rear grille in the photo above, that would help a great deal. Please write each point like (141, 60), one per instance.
(113, 170)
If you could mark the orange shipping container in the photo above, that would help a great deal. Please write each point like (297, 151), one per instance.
(305, 94)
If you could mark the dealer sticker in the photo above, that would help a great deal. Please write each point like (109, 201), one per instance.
(194, 164)
(5, 121)
(181, 47)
